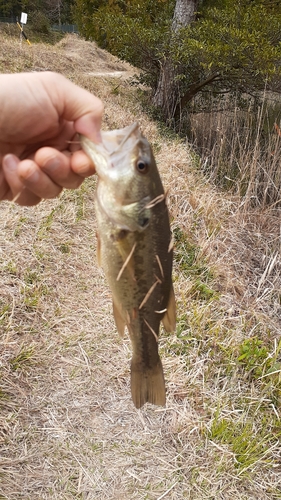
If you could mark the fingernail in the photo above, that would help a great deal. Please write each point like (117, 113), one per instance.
(52, 164)
(10, 162)
(89, 125)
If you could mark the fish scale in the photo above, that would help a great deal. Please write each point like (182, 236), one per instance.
(135, 251)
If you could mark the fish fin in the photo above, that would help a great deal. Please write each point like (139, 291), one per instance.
(147, 384)
(169, 320)
(98, 249)
(119, 320)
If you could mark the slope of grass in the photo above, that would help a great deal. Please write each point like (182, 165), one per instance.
(68, 428)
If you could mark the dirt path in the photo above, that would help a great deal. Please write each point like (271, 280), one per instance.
(110, 74)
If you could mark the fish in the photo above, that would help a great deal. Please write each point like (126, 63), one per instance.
(135, 250)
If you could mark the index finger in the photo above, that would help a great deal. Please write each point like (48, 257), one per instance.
(76, 104)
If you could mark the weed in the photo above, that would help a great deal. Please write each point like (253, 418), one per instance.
(247, 446)
(257, 360)
(240, 148)
(187, 256)
(115, 90)
(33, 288)
(31, 277)
(39, 254)
(19, 226)
(4, 309)
(262, 365)
(22, 359)
(185, 252)
(96, 447)
(11, 268)
(202, 291)
(156, 147)
(45, 225)
(252, 355)
(64, 247)
(31, 299)
(180, 343)
(3, 396)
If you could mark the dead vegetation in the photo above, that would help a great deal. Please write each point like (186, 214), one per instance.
(71, 56)
(68, 427)
(240, 147)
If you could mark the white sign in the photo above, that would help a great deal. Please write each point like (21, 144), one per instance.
(23, 18)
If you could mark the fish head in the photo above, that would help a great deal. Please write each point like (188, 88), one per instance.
(127, 173)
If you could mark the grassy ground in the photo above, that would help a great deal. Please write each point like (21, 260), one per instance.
(68, 428)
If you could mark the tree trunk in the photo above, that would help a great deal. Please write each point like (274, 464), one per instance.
(167, 94)
(193, 90)
(59, 12)
(184, 13)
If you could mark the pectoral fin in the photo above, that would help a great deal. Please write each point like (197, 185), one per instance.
(135, 215)
(169, 320)
(119, 320)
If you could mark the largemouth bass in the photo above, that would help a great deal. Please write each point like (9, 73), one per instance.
(135, 250)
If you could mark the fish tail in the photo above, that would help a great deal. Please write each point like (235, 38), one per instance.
(147, 384)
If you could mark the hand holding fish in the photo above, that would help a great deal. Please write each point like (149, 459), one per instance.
(41, 114)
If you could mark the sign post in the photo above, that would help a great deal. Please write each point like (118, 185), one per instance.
(23, 20)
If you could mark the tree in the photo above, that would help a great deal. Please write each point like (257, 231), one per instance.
(166, 96)
(9, 8)
(54, 11)
(184, 13)
(185, 47)
(84, 12)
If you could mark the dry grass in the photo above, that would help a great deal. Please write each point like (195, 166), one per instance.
(240, 147)
(72, 56)
(68, 428)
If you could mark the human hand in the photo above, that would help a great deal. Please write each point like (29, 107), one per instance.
(41, 114)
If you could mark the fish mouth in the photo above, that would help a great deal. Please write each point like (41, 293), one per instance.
(117, 142)
(118, 147)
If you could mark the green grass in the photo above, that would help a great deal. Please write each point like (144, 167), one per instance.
(254, 356)
(248, 446)
(4, 396)
(193, 266)
(65, 247)
(46, 225)
(19, 226)
(262, 363)
(4, 309)
(22, 359)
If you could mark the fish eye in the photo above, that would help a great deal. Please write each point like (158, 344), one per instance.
(142, 166)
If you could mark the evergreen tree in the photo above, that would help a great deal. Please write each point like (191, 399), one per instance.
(223, 46)
(54, 11)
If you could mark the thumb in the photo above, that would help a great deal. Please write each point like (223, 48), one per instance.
(79, 106)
